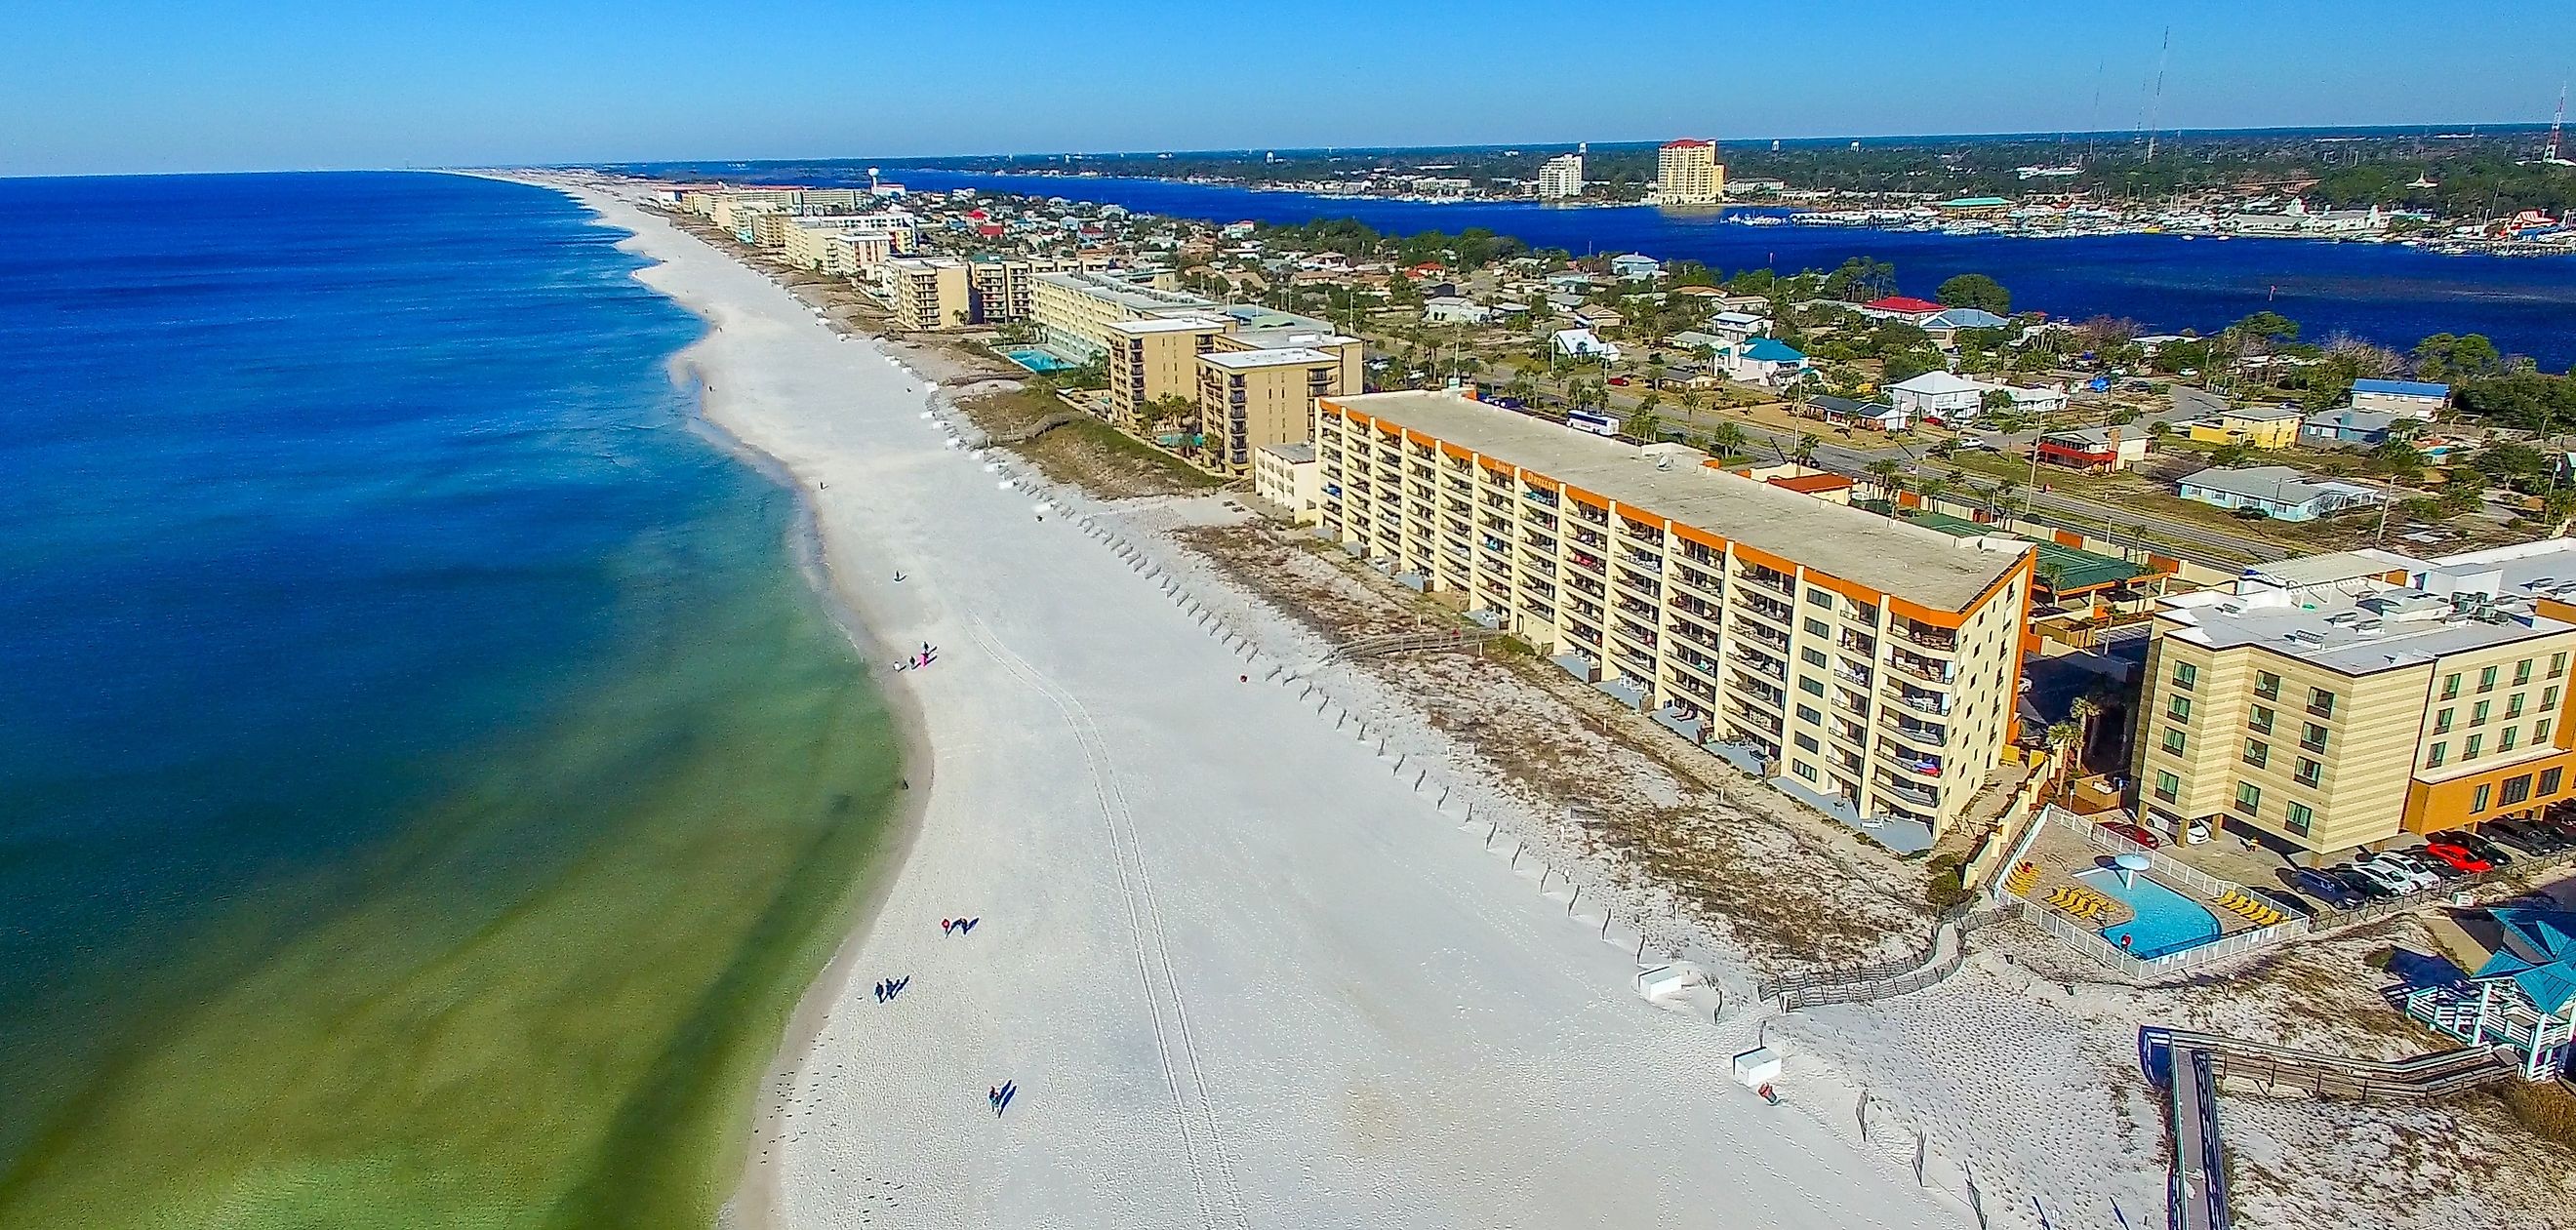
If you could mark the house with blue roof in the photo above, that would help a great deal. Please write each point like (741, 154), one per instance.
(2412, 399)
(2511, 983)
(1765, 361)
(1944, 325)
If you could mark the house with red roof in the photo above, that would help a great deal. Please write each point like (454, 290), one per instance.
(1902, 307)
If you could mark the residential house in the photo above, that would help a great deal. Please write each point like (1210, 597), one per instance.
(1636, 267)
(2260, 426)
(1455, 310)
(2280, 492)
(1902, 307)
(2511, 983)
(1937, 397)
(1598, 316)
(1844, 412)
(2098, 450)
(1583, 344)
(2362, 427)
(2407, 397)
(1739, 326)
(1763, 361)
(1944, 325)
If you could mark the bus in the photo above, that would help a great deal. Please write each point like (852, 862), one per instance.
(1594, 421)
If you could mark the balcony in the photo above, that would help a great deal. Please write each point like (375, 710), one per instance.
(1909, 792)
(1939, 640)
(1923, 668)
(1777, 583)
(1780, 613)
(1544, 499)
(1756, 635)
(1776, 670)
(1640, 559)
(1919, 735)
(1932, 703)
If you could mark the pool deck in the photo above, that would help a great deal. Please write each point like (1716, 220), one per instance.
(2060, 855)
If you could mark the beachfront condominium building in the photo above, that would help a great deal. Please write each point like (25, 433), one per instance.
(1005, 287)
(1687, 172)
(1867, 665)
(929, 292)
(1153, 366)
(1073, 309)
(2343, 700)
(1249, 398)
(839, 252)
(1561, 178)
(1285, 476)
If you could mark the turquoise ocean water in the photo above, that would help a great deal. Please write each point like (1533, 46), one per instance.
(428, 776)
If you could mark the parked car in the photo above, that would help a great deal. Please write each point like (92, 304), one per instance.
(2373, 885)
(2417, 860)
(2323, 886)
(2134, 833)
(2460, 857)
(2398, 871)
(1619, 382)
(2494, 854)
(1972, 444)
(2526, 836)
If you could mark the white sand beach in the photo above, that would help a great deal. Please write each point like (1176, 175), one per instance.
(1241, 970)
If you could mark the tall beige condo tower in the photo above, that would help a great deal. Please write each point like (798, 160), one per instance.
(1687, 172)
(1561, 178)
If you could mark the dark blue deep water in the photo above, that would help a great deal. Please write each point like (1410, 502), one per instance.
(366, 587)
(2391, 295)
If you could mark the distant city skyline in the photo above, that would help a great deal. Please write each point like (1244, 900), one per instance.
(161, 86)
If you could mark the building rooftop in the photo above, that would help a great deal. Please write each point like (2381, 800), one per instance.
(1294, 454)
(1168, 324)
(2330, 611)
(1102, 284)
(1244, 360)
(2279, 484)
(2402, 388)
(1933, 569)
(1290, 335)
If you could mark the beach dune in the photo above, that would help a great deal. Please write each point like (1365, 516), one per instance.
(1240, 971)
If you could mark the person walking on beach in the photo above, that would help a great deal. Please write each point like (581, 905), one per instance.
(880, 991)
(945, 924)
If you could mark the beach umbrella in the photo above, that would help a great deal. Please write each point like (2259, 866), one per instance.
(2130, 864)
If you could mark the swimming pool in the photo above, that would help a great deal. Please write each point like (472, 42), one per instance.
(1037, 360)
(2166, 922)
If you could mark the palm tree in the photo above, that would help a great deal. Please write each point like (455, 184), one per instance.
(1884, 472)
(2062, 737)
(1932, 490)
(1806, 450)
(2084, 712)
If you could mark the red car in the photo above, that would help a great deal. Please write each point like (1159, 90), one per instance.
(2135, 833)
(2460, 857)
(1620, 381)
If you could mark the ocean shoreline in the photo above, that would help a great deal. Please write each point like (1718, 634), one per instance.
(753, 1202)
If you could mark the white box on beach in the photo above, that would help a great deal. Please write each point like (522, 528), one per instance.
(1757, 1067)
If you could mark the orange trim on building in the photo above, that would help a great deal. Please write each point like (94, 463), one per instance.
(1541, 481)
(1810, 484)
(1786, 567)
(1702, 537)
(1856, 592)
(2433, 806)
(1451, 450)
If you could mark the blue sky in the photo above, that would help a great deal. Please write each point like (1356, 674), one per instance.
(252, 84)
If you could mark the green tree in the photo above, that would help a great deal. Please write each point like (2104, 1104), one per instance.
(1644, 424)
(1975, 290)
(2232, 454)
(1726, 439)
(1805, 452)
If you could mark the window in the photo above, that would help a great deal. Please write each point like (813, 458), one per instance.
(2257, 753)
(2436, 754)
(1812, 717)
(2169, 787)
(2505, 741)
(2557, 665)
(1805, 742)
(2179, 709)
(1811, 685)
(2260, 719)
(2478, 712)
(2522, 672)
(2517, 789)
(2313, 737)
(2549, 781)
(2540, 731)
(2249, 797)
(2450, 687)
(1819, 627)
(2174, 742)
(2486, 679)
(2310, 772)
(2549, 697)
(2442, 722)
(2321, 702)
(2478, 801)
(2300, 816)
(1813, 657)
(1821, 597)
(1803, 769)
(2513, 705)
(2470, 750)
(2185, 676)
(2267, 685)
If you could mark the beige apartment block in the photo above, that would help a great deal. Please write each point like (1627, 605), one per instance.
(1561, 178)
(929, 293)
(1286, 476)
(1687, 172)
(1006, 286)
(1153, 358)
(1868, 666)
(1073, 309)
(834, 251)
(1249, 398)
(2345, 700)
